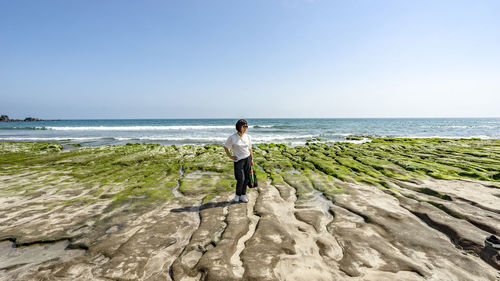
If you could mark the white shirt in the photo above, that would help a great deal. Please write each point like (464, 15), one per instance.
(239, 145)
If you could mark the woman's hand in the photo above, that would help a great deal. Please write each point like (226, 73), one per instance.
(229, 154)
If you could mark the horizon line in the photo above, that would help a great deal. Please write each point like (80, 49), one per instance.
(249, 118)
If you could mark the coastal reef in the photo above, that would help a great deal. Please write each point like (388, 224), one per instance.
(387, 209)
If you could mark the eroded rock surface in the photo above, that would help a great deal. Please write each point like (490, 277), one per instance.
(319, 213)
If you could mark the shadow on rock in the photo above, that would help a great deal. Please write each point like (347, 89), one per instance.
(201, 207)
(491, 251)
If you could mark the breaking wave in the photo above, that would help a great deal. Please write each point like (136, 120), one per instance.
(138, 128)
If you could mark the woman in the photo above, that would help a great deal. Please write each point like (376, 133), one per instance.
(241, 145)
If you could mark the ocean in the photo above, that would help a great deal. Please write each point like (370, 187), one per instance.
(215, 131)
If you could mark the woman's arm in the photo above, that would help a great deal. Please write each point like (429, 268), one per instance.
(251, 154)
(229, 154)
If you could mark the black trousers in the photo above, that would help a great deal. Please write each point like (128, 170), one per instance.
(242, 175)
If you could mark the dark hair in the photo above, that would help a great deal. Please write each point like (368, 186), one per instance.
(240, 124)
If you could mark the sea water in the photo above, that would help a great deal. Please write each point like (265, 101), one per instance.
(215, 131)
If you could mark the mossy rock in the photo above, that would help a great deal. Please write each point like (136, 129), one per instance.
(141, 173)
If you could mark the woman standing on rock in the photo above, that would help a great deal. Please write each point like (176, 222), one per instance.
(241, 145)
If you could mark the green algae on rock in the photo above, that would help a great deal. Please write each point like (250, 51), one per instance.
(168, 205)
(148, 172)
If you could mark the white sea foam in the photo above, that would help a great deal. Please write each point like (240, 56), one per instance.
(280, 137)
(460, 127)
(138, 128)
(255, 139)
(163, 138)
(450, 137)
(50, 138)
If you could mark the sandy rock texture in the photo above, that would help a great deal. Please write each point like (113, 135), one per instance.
(323, 212)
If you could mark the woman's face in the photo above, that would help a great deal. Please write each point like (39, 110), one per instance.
(244, 128)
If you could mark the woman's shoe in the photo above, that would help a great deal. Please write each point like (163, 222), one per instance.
(243, 198)
(236, 199)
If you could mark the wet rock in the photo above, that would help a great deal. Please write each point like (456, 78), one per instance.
(12, 257)
(311, 217)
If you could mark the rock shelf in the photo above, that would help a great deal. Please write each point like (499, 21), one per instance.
(389, 209)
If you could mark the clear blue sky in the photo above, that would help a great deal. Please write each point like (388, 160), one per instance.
(259, 58)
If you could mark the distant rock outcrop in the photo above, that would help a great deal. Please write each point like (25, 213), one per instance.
(30, 119)
(5, 118)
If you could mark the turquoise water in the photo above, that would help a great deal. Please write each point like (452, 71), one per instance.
(215, 131)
